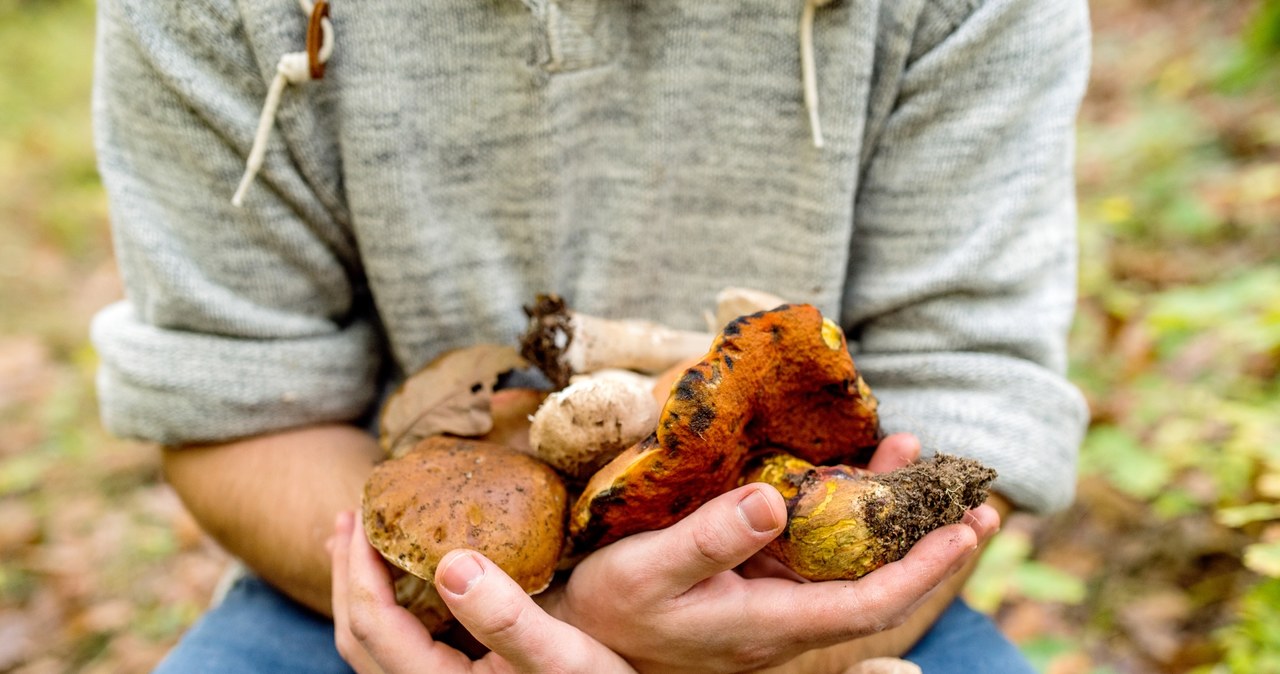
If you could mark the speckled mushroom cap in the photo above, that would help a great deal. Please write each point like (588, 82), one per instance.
(450, 493)
(780, 378)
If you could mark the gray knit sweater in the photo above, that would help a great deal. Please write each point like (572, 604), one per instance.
(634, 156)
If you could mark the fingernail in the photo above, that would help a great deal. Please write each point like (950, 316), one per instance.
(755, 510)
(462, 574)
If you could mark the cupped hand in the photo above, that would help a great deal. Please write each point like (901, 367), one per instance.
(376, 636)
(670, 600)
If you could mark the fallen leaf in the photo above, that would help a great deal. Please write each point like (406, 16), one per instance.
(26, 370)
(16, 639)
(106, 616)
(450, 395)
(19, 526)
(1155, 623)
(1263, 558)
(1070, 663)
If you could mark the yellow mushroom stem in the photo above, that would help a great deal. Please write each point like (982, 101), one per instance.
(843, 523)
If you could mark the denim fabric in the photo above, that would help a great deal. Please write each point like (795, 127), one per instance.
(258, 630)
(964, 640)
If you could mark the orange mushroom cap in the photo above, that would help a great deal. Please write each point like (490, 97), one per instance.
(780, 378)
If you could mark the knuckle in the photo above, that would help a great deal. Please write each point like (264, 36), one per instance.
(630, 581)
(576, 661)
(626, 576)
(710, 546)
(753, 656)
(506, 623)
(897, 619)
(361, 626)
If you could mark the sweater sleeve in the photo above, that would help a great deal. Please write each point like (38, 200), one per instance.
(962, 280)
(236, 321)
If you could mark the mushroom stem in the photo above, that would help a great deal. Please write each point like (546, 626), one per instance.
(843, 523)
(564, 342)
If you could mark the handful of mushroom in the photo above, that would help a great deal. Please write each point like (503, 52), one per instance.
(775, 397)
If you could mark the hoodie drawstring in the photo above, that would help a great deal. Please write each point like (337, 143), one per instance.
(807, 70)
(293, 68)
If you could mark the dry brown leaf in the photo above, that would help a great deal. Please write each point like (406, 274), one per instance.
(450, 395)
(26, 370)
(1155, 622)
(17, 638)
(19, 526)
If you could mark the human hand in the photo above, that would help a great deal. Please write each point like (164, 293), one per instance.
(376, 636)
(670, 600)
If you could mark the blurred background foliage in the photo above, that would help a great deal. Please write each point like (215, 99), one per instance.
(1168, 562)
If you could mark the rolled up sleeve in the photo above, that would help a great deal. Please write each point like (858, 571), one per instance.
(962, 283)
(236, 321)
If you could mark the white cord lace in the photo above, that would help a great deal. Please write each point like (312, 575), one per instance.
(807, 70)
(293, 68)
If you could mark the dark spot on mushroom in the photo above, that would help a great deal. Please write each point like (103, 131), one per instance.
(837, 390)
(476, 387)
(716, 463)
(775, 332)
(733, 328)
(702, 418)
(728, 362)
(672, 445)
(687, 387)
(610, 496)
(679, 503)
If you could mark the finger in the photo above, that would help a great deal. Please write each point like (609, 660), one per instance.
(876, 602)
(393, 637)
(499, 614)
(984, 520)
(895, 451)
(348, 646)
(764, 565)
(723, 533)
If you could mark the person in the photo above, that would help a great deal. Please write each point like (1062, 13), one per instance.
(634, 157)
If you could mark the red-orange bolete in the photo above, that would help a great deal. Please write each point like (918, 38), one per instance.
(781, 378)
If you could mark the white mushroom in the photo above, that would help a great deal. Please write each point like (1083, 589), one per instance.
(581, 427)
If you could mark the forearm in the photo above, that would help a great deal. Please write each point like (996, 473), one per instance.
(271, 500)
(897, 641)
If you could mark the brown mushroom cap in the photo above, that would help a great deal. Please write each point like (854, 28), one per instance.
(780, 378)
(450, 493)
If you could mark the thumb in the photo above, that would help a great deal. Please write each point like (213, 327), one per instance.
(500, 615)
(725, 532)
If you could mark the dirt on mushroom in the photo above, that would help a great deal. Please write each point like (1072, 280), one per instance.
(843, 522)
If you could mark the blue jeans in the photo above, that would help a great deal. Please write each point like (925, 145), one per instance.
(257, 629)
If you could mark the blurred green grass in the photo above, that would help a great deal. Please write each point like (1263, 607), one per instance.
(1167, 563)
